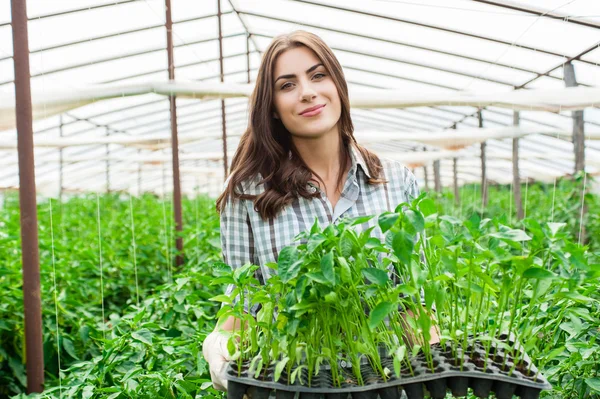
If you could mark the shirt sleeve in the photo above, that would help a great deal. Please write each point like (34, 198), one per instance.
(237, 240)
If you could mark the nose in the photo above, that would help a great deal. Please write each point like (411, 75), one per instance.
(308, 92)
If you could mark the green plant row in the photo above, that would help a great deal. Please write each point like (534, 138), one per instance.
(101, 259)
(481, 281)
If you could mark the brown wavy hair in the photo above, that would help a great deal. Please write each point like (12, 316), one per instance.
(266, 144)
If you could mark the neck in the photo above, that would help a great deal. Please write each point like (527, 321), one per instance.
(321, 154)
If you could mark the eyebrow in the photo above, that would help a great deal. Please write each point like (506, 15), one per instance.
(309, 70)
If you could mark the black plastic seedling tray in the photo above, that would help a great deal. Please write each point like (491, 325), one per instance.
(525, 381)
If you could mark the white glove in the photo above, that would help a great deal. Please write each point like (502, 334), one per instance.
(217, 355)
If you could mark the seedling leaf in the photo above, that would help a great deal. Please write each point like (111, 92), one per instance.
(403, 246)
(379, 313)
(288, 264)
(387, 220)
(327, 267)
(376, 276)
(538, 273)
(279, 367)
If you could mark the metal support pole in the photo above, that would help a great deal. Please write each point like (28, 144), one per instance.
(27, 201)
(437, 181)
(60, 160)
(223, 119)
(426, 174)
(515, 168)
(484, 184)
(578, 144)
(578, 133)
(174, 143)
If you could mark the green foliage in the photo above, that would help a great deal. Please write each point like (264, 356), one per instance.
(481, 272)
(146, 350)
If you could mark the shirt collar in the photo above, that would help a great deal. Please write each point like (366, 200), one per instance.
(358, 160)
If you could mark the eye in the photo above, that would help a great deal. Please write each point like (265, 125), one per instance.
(285, 86)
(322, 75)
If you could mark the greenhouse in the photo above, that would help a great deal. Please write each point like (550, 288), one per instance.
(456, 255)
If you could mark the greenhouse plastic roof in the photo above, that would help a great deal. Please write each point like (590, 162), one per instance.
(419, 46)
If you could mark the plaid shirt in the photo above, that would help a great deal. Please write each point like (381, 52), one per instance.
(245, 237)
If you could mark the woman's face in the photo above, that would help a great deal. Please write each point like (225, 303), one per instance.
(301, 84)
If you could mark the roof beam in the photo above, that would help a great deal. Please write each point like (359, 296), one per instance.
(407, 62)
(435, 27)
(566, 61)
(540, 12)
(396, 42)
(120, 57)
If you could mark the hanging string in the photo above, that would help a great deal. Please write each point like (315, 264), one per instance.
(55, 297)
(101, 268)
(137, 290)
(167, 244)
(197, 213)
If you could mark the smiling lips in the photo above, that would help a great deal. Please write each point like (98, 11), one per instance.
(312, 111)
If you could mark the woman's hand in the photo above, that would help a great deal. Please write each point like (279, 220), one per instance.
(217, 355)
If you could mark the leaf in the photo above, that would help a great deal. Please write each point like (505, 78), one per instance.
(301, 287)
(398, 357)
(387, 220)
(288, 265)
(416, 219)
(314, 241)
(345, 272)
(279, 367)
(403, 245)
(538, 273)
(379, 313)
(88, 392)
(511, 235)
(169, 349)
(555, 227)
(69, 348)
(427, 206)
(360, 220)
(593, 383)
(376, 276)
(575, 296)
(143, 335)
(327, 267)
(221, 298)
(318, 277)
(346, 244)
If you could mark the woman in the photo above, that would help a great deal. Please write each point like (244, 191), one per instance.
(297, 161)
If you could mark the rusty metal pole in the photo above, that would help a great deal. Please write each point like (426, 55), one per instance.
(223, 119)
(437, 180)
(174, 143)
(27, 201)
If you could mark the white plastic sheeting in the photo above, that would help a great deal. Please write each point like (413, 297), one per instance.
(49, 103)
(435, 62)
